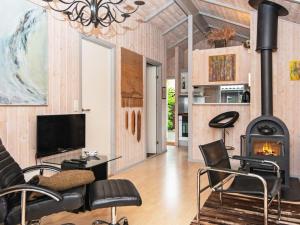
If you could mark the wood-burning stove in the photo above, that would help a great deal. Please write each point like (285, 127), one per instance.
(267, 136)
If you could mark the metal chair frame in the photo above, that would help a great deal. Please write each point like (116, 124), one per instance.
(25, 188)
(114, 220)
(234, 173)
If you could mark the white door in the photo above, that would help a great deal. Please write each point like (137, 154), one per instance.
(151, 79)
(97, 96)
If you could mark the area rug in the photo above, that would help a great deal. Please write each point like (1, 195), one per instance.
(239, 210)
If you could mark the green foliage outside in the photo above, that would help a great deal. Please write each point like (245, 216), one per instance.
(171, 108)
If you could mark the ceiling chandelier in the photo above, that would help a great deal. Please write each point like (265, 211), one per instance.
(97, 12)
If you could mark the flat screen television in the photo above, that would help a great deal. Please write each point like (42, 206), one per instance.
(59, 133)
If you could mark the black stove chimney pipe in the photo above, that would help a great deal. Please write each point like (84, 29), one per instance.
(267, 28)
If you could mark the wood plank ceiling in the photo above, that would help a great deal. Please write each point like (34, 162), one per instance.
(165, 14)
(170, 17)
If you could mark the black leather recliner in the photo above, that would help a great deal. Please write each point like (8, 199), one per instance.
(14, 206)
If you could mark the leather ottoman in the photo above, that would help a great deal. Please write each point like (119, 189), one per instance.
(112, 194)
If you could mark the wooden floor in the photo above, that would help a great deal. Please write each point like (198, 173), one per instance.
(167, 184)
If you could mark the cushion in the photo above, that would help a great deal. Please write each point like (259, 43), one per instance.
(62, 181)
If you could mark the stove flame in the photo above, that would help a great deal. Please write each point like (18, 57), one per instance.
(267, 149)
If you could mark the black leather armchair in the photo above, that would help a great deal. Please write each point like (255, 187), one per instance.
(218, 169)
(15, 208)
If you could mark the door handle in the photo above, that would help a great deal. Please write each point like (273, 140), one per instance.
(85, 110)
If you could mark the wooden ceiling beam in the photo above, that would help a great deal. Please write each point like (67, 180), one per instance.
(181, 40)
(224, 20)
(293, 1)
(188, 7)
(226, 5)
(243, 10)
(183, 20)
(158, 11)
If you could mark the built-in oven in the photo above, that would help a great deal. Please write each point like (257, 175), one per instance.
(232, 93)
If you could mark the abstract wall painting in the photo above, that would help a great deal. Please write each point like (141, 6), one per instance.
(222, 68)
(23, 53)
(295, 70)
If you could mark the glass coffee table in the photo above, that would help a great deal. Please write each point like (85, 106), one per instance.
(99, 164)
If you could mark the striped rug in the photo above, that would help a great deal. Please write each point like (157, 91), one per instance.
(238, 210)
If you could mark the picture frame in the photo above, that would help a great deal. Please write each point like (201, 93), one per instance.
(184, 82)
(24, 69)
(222, 68)
(294, 70)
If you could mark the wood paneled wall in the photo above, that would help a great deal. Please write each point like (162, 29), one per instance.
(203, 113)
(201, 65)
(171, 67)
(203, 134)
(147, 41)
(285, 92)
(178, 67)
(18, 124)
(201, 45)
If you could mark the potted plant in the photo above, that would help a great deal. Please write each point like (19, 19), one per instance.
(220, 37)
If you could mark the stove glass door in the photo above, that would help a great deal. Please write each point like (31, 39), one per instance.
(267, 147)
